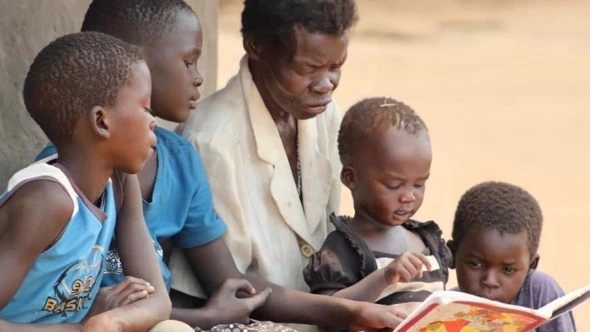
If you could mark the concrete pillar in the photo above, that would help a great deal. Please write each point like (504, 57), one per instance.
(25, 27)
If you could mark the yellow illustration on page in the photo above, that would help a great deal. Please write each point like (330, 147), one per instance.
(480, 320)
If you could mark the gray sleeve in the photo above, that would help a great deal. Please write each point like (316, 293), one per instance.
(563, 323)
(540, 289)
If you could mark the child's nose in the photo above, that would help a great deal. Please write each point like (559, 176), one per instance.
(490, 279)
(152, 121)
(407, 196)
(197, 79)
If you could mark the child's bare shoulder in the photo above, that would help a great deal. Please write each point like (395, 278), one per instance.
(38, 209)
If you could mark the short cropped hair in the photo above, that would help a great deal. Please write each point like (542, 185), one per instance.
(73, 74)
(370, 115)
(273, 20)
(139, 22)
(500, 206)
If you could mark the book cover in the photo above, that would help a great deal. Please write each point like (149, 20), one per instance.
(451, 311)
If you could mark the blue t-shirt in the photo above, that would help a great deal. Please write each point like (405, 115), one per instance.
(181, 208)
(62, 283)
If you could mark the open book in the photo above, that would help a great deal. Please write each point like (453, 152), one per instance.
(451, 311)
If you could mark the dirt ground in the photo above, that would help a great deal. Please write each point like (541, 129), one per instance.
(504, 87)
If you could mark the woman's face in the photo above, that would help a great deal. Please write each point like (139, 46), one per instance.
(300, 80)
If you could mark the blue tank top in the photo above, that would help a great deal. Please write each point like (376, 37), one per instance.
(61, 285)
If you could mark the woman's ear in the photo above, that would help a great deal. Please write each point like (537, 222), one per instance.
(453, 248)
(99, 121)
(347, 177)
(252, 48)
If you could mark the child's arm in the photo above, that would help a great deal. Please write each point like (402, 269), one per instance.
(11, 327)
(344, 267)
(404, 268)
(284, 304)
(129, 290)
(30, 221)
(139, 260)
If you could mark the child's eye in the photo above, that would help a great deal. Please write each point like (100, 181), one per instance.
(393, 186)
(509, 269)
(188, 64)
(474, 265)
(148, 110)
(418, 185)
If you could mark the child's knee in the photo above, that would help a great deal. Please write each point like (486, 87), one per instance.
(172, 326)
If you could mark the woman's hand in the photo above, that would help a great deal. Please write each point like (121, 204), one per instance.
(376, 317)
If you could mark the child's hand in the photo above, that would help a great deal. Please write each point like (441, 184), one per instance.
(126, 292)
(227, 307)
(406, 267)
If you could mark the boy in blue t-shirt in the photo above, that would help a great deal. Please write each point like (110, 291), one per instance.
(90, 94)
(177, 201)
(496, 236)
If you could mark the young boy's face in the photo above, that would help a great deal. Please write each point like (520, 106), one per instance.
(172, 60)
(492, 265)
(129, 120)
(389, 176)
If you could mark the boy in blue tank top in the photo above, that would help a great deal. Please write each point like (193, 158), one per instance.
(90, 94)
(177, 201)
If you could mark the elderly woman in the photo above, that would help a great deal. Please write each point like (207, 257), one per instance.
(268, 145)
(268, 139)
